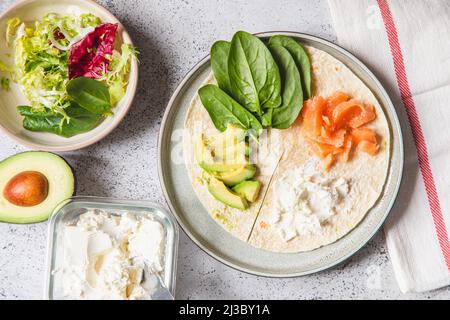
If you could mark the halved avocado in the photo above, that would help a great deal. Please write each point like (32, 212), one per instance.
(32, 184)
(248, 189)
(234, 177)
(220, 191)
(206, 161)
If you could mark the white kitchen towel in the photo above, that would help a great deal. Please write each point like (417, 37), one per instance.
(406, 44)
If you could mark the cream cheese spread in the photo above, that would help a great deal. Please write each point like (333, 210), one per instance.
(107, 256)
(304, 199)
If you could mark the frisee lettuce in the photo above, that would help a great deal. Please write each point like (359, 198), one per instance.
(11, 29)
(119, 67)
(41, 61)
(5, 68)
(42, 68)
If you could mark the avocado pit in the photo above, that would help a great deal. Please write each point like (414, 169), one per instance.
(26, 189)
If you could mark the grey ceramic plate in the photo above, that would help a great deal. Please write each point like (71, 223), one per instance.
(212, 238)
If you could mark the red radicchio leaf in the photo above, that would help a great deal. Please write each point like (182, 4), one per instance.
(58, 35)
(87, 57)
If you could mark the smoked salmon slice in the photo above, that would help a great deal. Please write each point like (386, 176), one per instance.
(328, 161)
(337, 98)
(318, 104)
(369, 147)
(334, 100)
(352, 113)
(334, 127)
(335, 139)
(321, 149)
(348, 144)
(367, 115)
(364, 134)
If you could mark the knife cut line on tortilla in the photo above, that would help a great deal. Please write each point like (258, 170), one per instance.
(264, 197)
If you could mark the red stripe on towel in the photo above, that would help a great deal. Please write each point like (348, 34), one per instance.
(419, 139)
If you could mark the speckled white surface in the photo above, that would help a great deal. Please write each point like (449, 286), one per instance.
(172, 36)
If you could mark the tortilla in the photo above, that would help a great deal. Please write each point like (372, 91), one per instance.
(366, 174)
(238, 223)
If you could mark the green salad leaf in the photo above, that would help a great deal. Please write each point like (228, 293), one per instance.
(285, 115)
(79, 120)
(5, 68)
(41, 67)
(224, 110)
(220, 51)
(90, 94)
(266, 118)
(269, 77)
(117, 76)
(300, 57)
(41, 63)
(11, 29)
(254, 75)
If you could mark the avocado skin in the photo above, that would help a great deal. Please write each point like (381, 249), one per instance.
(223, 194)
(12, 214)
(75, 179)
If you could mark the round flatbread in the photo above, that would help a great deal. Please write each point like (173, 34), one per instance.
(286, 151)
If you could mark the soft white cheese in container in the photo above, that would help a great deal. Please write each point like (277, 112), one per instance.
(108, 256)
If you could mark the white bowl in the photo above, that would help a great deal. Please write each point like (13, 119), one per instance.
(11, 121)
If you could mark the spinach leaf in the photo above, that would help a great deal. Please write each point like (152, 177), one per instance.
(90, 94)
(254, 75)
(224, 110)
(80, 120)
(27, 111)
(266, 118)
(285, 115)
(300, 57)
(219, 64)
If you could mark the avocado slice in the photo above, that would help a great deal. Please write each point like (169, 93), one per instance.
(230, 145)
(234, 133)
(234, 177)
(52, 180)
(223, 194)
(205, 159)
(233, 154)
(248, 189)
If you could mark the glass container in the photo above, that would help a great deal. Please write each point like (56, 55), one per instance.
(68, 213)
